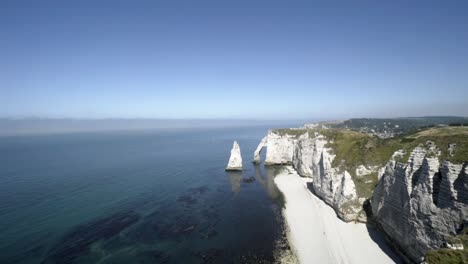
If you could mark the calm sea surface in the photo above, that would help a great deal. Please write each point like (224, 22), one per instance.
(136, 197)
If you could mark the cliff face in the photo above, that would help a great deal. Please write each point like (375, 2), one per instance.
(418, 201)
(280, 148)
(421, 203)
(311, 158)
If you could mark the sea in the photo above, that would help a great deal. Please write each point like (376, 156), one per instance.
(140, 196)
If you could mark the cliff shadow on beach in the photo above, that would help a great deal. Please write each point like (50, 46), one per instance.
(379, 238)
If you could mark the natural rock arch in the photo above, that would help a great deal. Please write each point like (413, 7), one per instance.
(259, 150)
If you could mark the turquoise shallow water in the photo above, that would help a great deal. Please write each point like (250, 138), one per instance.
(136, 197)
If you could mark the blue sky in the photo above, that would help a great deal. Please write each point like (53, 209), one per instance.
(233, 59)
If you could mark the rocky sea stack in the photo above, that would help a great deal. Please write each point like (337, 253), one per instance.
(235, 160)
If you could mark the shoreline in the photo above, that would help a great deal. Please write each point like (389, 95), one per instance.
(317, 235)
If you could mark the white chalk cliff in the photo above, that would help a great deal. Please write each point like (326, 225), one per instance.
(235, 160)
(311, 158)
(418, 204)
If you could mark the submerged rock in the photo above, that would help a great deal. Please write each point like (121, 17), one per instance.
(235, 160)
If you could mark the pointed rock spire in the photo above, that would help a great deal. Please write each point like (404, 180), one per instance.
(235, 161)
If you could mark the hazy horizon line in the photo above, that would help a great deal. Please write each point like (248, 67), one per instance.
(215, 118)
(36, 125)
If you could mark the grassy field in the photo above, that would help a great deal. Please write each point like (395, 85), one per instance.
(294, 132)
(442, 137)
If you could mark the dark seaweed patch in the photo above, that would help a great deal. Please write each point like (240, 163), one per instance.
(199, 190)
(207, 230)
(187, 200)
(211, 215)
(212, 233)
(160, 256)
(165, 225)
(190, 197)
(77, 242)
